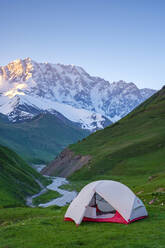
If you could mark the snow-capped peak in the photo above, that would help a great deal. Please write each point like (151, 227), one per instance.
(71, 87)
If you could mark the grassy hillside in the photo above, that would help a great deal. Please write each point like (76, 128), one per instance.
(16, 179)
(40, 139)
(133, 146)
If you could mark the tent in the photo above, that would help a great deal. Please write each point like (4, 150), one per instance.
(106, 201)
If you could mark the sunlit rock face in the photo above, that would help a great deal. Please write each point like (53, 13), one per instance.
(32, 87)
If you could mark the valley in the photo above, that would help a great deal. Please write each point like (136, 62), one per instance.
(130, 151)
(132, 147)
(45, 107)
(82, 124)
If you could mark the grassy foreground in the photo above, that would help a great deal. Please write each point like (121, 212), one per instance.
(45, 228)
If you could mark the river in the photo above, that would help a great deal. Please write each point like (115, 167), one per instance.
(65, 198)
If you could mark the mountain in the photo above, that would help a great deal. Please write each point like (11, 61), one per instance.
(16, 179)
(41, 138)
(29, 88)
(133, 147)
(131, 152)
(22, 108)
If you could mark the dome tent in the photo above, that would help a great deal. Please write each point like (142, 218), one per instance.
(106, 201)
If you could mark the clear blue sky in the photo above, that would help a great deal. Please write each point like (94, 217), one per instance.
(113, 39)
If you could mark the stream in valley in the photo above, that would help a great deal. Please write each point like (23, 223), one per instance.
(66, 196)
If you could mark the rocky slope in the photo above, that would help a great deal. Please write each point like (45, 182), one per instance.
(67, 157)
(28, 88)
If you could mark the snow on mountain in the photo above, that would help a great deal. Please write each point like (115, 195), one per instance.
(24, 107)
(28, 87)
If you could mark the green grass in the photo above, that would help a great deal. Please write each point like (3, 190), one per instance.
(45, 228)
(16, 179)
(39, 140)
(48, 196)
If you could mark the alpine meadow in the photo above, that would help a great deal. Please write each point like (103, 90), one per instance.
(82, 124)
(130, 151)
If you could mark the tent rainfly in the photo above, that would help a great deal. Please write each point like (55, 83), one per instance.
(106, 201)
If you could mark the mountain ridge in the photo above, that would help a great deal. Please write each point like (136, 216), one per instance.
(41, 138)
(69, 85)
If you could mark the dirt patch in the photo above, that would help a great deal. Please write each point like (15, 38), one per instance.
(152, 177)
(160, 190)
(66, 164)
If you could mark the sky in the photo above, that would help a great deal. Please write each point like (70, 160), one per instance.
(112, 39)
